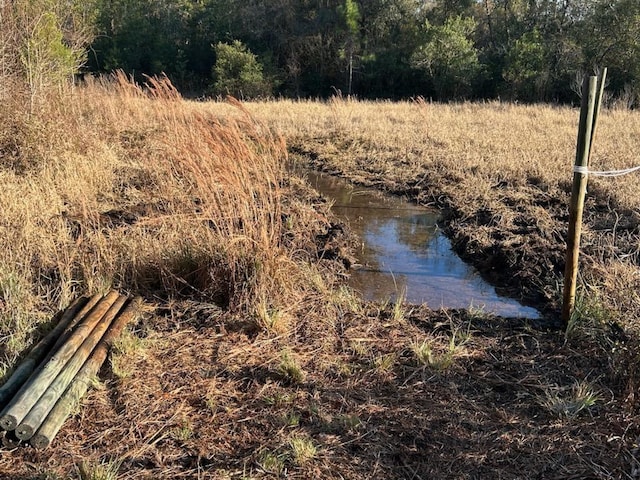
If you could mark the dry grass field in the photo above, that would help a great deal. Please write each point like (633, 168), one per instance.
(503, 174)
(252, 359)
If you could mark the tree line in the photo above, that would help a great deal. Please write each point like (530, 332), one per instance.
(525, 50)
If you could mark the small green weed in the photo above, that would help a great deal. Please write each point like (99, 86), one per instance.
(384, 363)
(360, 348)
(302, 449)
(123, 348)
(582, 396)
(291, 419)
(211, 403)
(271, 462)
(589, 317)
(183, 432)
(350, 422)
(423, 351)
(346, 298)
(431, 353)
(290, 369)
(398, 311)
(106, 470)
(278, 399)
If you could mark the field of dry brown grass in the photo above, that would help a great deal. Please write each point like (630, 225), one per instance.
(502, 172)
(252, 359)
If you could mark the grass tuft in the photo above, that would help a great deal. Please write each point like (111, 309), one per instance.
(289, 368)
(106, 470)
(271, 320)
(439, 352)
(123, 350)
(589, 317)
(271, 462)
(398, 309)
(581, 397)
(303, 450)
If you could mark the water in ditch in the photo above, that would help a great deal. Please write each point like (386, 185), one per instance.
(402, 250)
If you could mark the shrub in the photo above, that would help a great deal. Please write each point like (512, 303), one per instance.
(238, 72)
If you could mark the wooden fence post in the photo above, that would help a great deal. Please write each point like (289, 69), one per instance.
(592, 87)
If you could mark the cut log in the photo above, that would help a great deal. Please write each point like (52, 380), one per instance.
(9, 440)
(31, 391)
(39, 411)
(38, 353)
(74, 323)
(63, 408)
(43, 351)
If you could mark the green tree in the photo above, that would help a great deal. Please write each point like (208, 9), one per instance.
(208, 22)
(302, 38)
(237, 72)
(42, 42)
(528, 49)
(611, 36)
(449, 57)
(527, 68)
(142, 36)
(351, 16)
(391, 31)
(441, 10)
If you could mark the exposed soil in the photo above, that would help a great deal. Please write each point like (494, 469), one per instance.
(205, 397)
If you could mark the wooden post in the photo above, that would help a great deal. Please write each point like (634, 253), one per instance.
(43, 351)
(9, 440)
(82, 314)
(38, 353)
(37, 414)
(50, 427)
(602, 77)
(578, 193)
(31, 391)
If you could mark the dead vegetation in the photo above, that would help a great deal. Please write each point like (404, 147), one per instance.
(253, 360)
(502, 173)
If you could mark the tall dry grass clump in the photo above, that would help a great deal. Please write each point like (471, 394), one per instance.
(142, 191)
(221, 178)
(41, 45)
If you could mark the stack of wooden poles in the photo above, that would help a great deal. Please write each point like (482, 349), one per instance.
(46, 386)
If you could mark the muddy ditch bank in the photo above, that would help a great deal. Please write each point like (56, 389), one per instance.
(524, 264)
(512, 232)
(403, 254)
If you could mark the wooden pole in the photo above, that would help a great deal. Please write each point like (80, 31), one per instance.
(596, 112)
(54, 421)
(43, 351)
(93, 301)
(39, 411)
(9, 440)
(578, 192)
(38, 353)
(31, 391)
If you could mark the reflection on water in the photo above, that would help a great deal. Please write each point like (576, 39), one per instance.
(402, 250)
